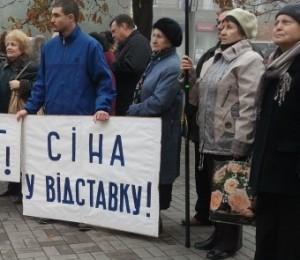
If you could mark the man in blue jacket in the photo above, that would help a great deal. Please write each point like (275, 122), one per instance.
(74, 78)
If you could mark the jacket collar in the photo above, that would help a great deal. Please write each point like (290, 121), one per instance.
(235, 50)
(72, 36)
(122, 44)
(19, 62)
(157, 56)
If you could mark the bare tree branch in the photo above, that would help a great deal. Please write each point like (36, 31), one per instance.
(9, 3)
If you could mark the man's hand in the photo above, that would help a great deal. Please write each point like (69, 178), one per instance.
(21, 114)
(101, 116)
(14, 84)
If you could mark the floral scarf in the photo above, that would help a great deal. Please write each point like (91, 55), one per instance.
(278, 68)
(154, 58)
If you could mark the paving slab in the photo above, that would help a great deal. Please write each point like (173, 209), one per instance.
(24, 238)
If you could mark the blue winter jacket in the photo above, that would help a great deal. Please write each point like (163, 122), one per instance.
(161, 96)
(73, 79)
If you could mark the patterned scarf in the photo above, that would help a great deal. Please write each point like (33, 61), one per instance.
(278, 68)
(154, 58)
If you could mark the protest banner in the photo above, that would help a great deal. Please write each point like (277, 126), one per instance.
(99, 173)
(10, 143)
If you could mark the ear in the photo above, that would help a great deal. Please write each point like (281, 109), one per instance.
(71, 17)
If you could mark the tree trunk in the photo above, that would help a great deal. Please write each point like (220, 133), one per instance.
(143, 16)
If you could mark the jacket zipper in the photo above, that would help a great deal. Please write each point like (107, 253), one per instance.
(65, 46)
(226, 96)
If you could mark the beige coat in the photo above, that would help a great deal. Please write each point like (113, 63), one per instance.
(227, 94)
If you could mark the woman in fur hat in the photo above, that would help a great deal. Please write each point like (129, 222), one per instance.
(158, 94)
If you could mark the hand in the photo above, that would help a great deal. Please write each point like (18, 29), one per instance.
(238, 157)
(14, 84)
(101, 116)
(186, 63)
(21, 114)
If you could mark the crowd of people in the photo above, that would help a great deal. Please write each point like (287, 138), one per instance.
(239, 107)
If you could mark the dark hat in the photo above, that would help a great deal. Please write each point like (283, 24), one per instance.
(292, 10)
(171, 29)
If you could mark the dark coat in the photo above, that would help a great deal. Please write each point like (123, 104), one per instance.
(276, 157)
(8, 72)
(132, 58)
(161, 96)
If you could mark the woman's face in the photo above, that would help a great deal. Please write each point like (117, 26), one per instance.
(286, 32)
(230, 33)
(159, 41)
(12, 49)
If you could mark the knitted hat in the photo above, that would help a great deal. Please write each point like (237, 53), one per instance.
(292, 10)
(246, 20)
(171, 29)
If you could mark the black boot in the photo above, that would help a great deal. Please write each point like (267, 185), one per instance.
(160, 228)
(13, 189)
(207, 244)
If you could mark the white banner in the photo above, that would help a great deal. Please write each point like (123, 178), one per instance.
(104, 173)
(10, 140)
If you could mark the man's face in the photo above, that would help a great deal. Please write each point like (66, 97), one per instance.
(220, 19)
(118, 32)
(61, 22)
(286, 32)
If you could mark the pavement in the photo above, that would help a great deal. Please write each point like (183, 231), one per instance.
(24, 238)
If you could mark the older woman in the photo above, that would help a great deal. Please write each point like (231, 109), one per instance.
(276, 159)
(226, 94)
(17, 73)
(158, 94)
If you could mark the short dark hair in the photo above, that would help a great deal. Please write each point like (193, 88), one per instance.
(108, 36)
(68, 7)
(123, 18)
(101, 39)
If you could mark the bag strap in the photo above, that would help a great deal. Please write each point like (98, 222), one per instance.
(22, 70)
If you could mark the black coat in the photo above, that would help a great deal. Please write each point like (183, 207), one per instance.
(276, 157)
(131, 61)
(8, 72)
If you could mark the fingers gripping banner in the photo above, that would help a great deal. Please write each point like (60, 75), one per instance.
(10, 142)
(104, 173)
